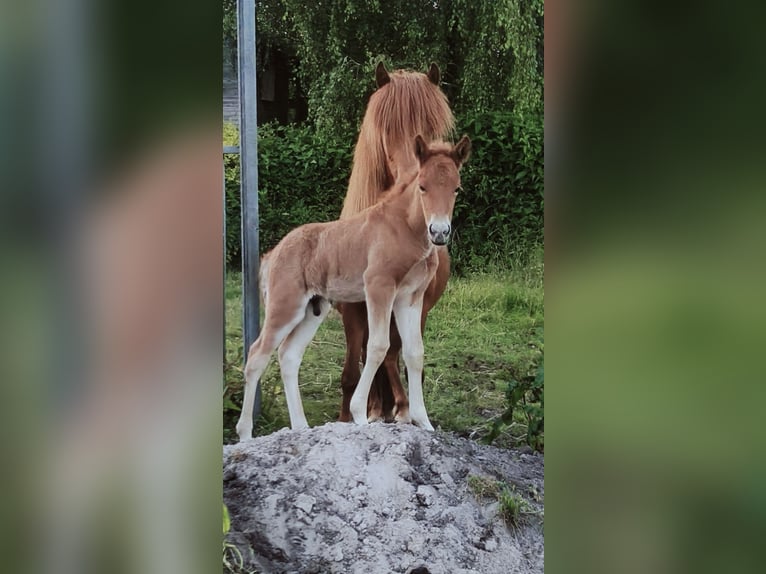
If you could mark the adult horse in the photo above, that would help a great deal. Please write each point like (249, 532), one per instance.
(404, 105)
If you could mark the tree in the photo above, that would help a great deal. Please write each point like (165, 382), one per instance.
(490, 53)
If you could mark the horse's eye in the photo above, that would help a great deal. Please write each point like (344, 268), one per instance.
(457, 190)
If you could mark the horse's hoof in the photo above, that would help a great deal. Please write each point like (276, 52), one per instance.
(403, 418)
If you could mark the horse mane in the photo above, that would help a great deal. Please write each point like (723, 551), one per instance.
(409, 104)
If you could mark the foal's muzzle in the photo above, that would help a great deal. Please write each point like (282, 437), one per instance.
(439, 233)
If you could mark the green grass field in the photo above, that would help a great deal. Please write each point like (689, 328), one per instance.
(486, 330)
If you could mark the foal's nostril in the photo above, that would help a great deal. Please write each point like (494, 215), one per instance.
(446, 231)
(431, 229)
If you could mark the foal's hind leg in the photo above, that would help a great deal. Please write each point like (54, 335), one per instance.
(257, 360)
(290, 358)
(273, 333)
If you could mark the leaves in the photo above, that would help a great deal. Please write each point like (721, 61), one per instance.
(526, 400)
(503, 205)
(302, 177)
(490, 52)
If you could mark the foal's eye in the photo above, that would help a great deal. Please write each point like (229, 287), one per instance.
(422, 189)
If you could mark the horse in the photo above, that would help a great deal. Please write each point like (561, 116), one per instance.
(386, 256)
(404, 104)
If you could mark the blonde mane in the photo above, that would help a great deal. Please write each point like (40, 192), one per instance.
(408, 105)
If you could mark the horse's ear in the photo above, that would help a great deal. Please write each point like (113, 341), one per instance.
(462, 151)
(381, 75)
(421, 148)
(434, 74)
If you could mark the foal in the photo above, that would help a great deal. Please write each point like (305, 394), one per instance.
(385, 256)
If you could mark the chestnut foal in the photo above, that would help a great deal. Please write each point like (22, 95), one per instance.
(386, 256)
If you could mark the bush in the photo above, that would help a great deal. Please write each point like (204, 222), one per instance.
(302, 177)
(525, 400)
(499, 215)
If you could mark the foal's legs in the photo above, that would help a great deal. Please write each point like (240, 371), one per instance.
(274, 332)
(386, 392)
(290, 358)
(379, 304)
(408, 318)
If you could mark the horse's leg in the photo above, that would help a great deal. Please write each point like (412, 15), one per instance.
(400, 408)
(354, 317)
(273, 333)
(290, 358)
(408, 318)
(379, 303)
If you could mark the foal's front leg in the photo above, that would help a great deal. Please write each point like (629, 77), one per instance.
(408, 319)
(380, 299)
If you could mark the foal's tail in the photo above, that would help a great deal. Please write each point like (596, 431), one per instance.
(263, 280)
(263, 277)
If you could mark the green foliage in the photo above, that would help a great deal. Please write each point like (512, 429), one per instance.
(232, 557)
(302, 177)
(303, 174)
(525, 398)
(483, 487)
(497, 47)
(233, 204)
(491, 53)
(511, 505)
(499, 214)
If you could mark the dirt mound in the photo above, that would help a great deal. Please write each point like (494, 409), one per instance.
(378, 499)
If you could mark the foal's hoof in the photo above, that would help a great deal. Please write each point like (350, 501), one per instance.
(424, 424)
(244, 432)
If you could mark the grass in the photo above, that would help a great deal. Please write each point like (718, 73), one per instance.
(511, 505)
(485, 330)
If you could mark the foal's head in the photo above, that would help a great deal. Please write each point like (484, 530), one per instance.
(439, 182)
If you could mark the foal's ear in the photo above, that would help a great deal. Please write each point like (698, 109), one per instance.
(381, 75)
(434, 74)
(462, 150)
(421, 148)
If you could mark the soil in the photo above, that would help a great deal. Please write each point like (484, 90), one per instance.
(378, 499)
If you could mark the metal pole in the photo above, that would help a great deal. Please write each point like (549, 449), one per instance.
(248, 156)
(223, 230)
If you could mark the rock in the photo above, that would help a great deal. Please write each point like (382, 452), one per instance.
(305, 503)
(426, 494)
(343, 498)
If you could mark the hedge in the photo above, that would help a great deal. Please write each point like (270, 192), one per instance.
(302, 177)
